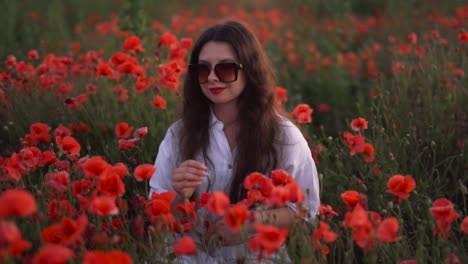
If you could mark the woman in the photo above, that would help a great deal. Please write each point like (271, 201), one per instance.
(230, 127)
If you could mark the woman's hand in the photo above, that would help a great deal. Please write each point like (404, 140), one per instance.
(219, 233)
(187, 177)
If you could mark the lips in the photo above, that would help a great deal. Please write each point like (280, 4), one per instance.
(217, 90)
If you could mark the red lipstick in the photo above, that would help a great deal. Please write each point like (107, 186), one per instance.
(216, 90)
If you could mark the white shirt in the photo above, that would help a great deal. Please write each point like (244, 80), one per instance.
(294, 157)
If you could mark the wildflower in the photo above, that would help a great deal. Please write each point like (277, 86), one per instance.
(17, 203)
(358, 221)
(59, 208)
(132, 43)
(359, 124)
(51, 253)
(159, 102)
(464, 225)
(268, 240)
(12, 240)
(103, 206)
(387, 230)
(354, 142)
(113, 256)
(323, 233)
(166, 39)
(184, 246)
(401, 186)
(33, 55)
(144, 172)
(235, 216)
(67, 232)
(218, 203)
(123, 130)
(303, 113)
(68, 145)
(39, 133)
(58, 180)
(351, 198)
(368, 152)
(281, 94)
(95, 167)
(327, 211)
(111, 184)
(444, 214)
(140, 133)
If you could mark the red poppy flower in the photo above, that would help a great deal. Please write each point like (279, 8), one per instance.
(358, 221)
(53, 253)
(12, 240)
(95, 167)
(354, 142)
(187, 208)
(464, 226)
(323, 233)
(103, 206)
(159, 102)
(401, 186)
(444, 214)
(359, 124)
(33, 55)
(281, 177)
(166, 39)
(218, 203)
(141, 132)
(327, 211)
(184, 246)
(67, 232)
(114, 256)
(17, 203)
(133, 43)
(68, 145)
(350, 198)
(388, 229)
(39, 133)
(58, 208)
(111, 184)
(368, 152)
(57, 180)
(281, 94)
(268, 240)
(303, 113)
(123, 130)
(119, 169)
(144, 172)
(235, 216)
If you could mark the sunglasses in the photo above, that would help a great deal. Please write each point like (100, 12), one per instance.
(226, 72)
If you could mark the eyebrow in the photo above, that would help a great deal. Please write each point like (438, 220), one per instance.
(223, 60)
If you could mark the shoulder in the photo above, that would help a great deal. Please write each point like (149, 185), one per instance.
(175, 129)
(289, 133)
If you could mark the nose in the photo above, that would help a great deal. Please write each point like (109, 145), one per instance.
(212, 76)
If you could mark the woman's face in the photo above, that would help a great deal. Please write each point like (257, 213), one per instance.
(219, 92)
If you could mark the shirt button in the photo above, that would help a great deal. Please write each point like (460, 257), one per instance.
(229, 166)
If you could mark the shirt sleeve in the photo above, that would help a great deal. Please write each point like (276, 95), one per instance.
(165, 163)
(297, 160)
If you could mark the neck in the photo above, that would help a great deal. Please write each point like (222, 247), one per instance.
(226, 113)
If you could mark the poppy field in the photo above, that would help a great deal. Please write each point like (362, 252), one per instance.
(379, 90)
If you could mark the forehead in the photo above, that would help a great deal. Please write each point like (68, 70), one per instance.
(215, 51)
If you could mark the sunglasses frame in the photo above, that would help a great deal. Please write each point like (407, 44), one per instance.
(194, 68)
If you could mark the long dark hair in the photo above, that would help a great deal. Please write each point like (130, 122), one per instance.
(258, 115)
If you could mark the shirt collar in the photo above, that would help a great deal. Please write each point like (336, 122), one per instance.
(214, 121)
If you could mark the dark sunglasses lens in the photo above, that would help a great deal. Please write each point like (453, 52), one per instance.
(226, 72)
(203, 71)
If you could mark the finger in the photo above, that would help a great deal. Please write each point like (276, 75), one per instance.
(194, 164)
(191, 170)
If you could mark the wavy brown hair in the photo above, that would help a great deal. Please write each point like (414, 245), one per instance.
(258, 115)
